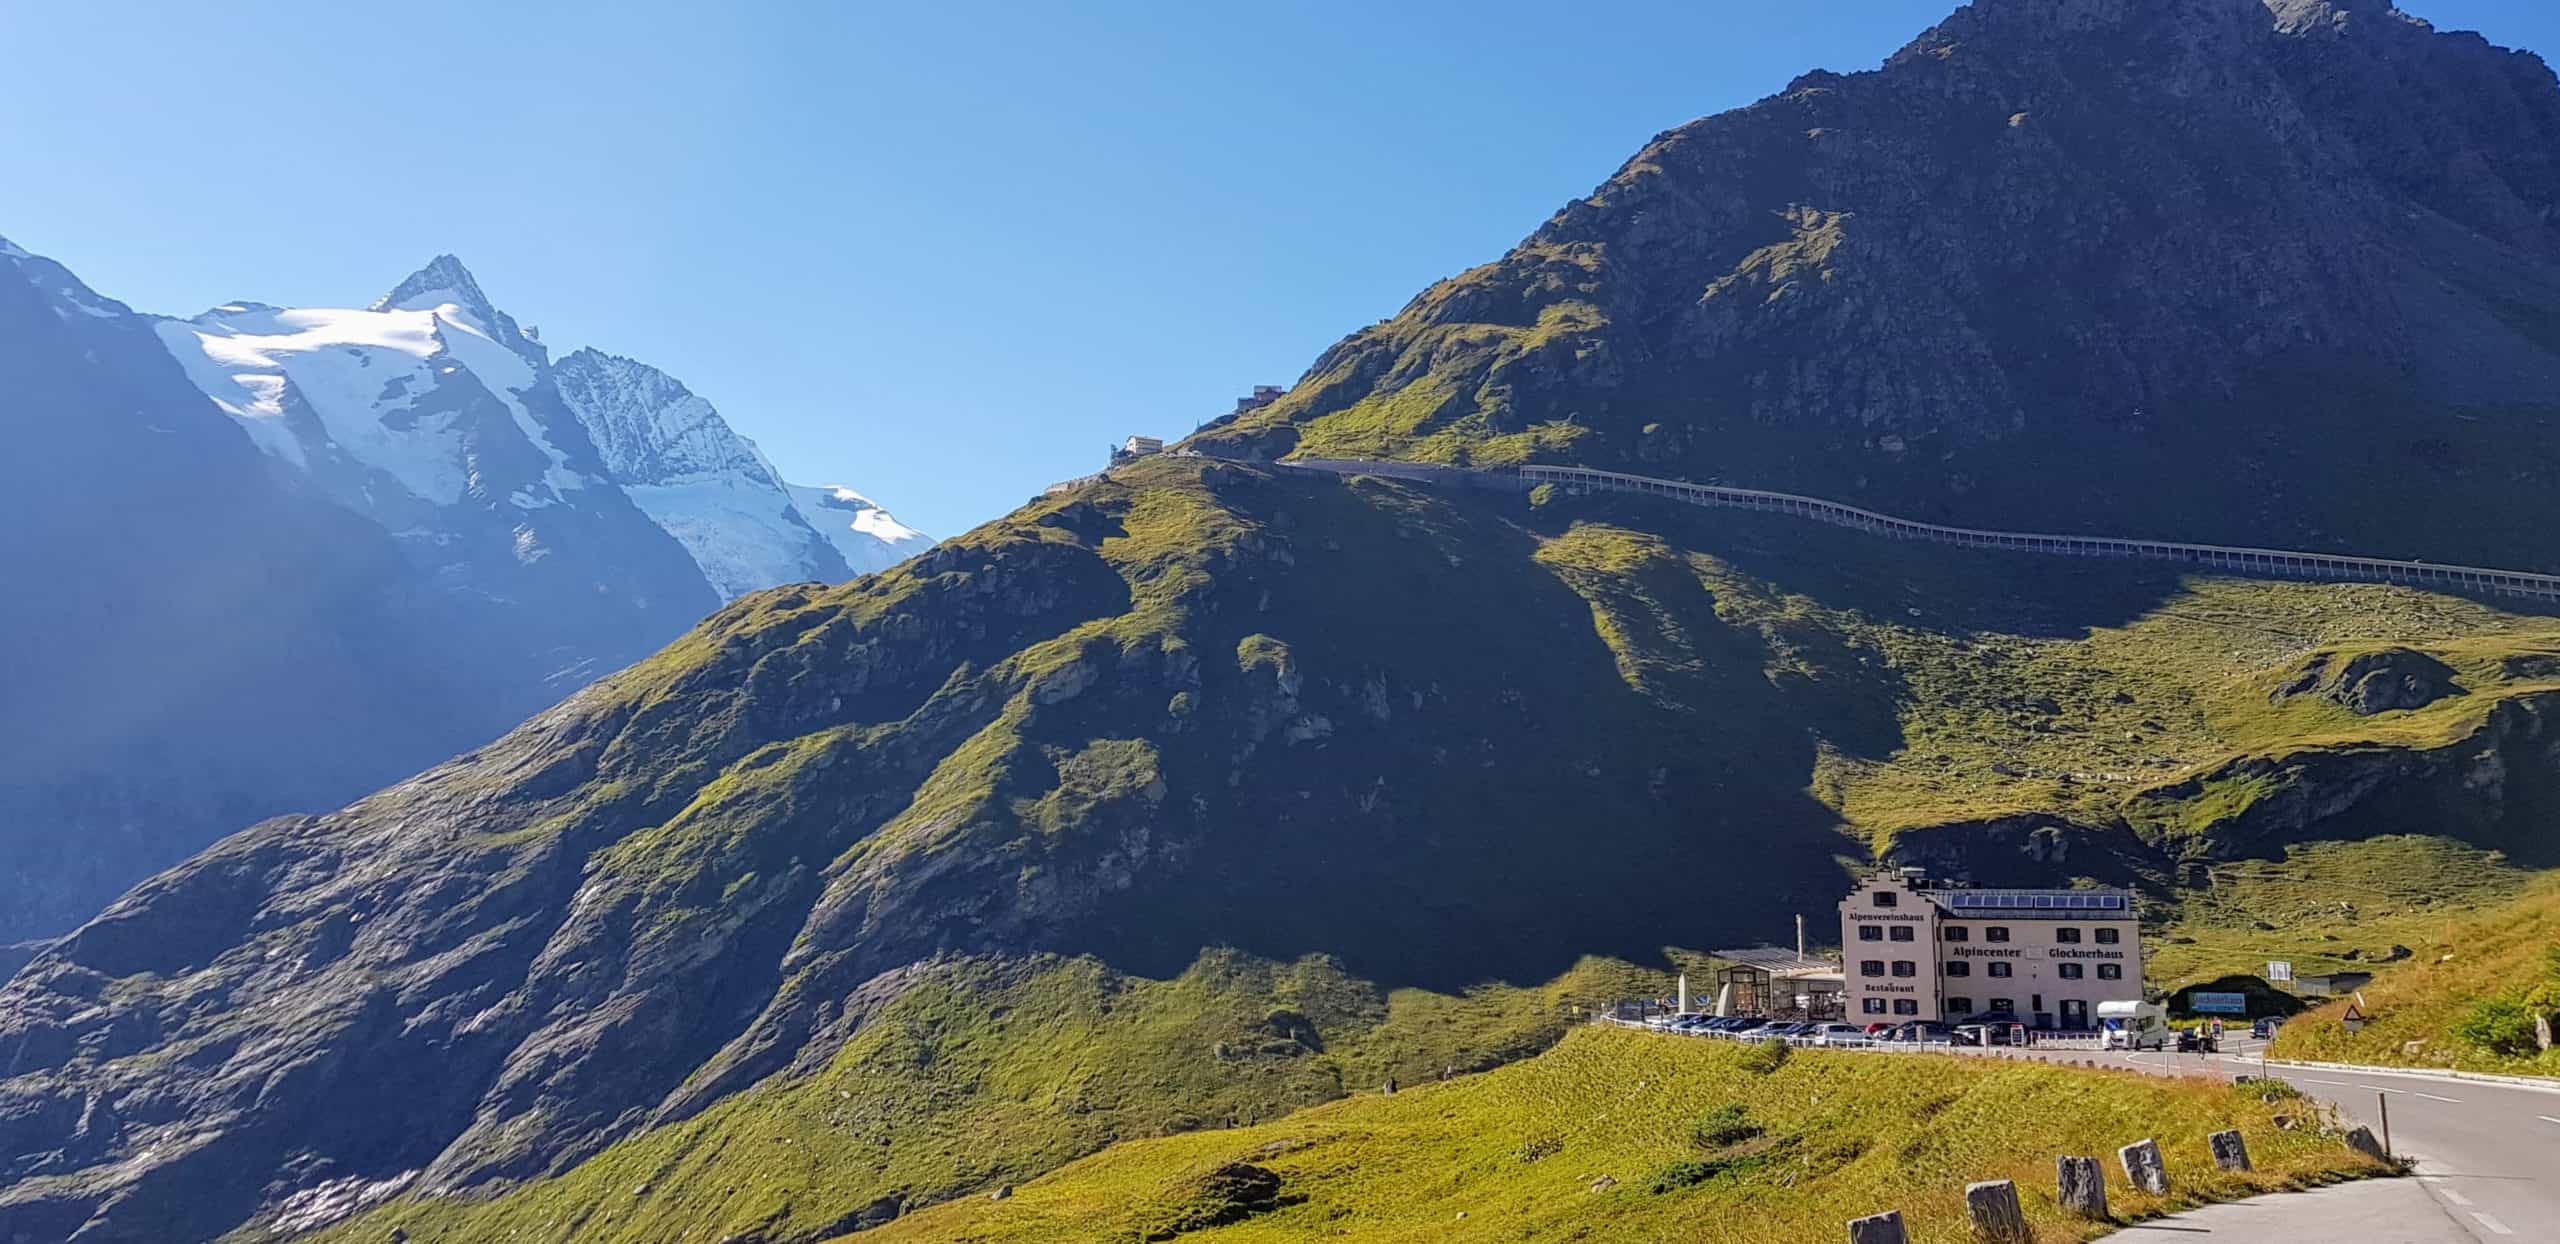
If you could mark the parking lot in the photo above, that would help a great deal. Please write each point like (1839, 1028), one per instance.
(1842, 1034)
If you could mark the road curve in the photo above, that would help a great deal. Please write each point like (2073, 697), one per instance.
(2487, 1159)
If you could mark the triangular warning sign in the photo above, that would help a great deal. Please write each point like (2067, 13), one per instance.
(2355, 1014)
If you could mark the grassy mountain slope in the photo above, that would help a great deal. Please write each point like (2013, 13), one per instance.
(1231, 709)
(1630, 1135)
(988, 1072)
(2465, 998)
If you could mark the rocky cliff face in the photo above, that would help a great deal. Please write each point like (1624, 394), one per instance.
(699, 481)
(2160, 267)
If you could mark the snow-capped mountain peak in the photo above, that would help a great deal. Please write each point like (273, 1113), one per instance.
(448, 288)
(431, 412)
(711, 489)
(429, 396)
(648, 427)
(11, 250)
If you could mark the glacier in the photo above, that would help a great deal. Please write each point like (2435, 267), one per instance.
(431, 403)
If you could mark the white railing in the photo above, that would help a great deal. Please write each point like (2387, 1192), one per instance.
(2235, 559)
(2281, 563)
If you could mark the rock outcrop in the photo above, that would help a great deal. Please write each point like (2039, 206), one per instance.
(2366, 683)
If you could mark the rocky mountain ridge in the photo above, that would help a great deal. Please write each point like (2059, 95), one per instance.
(2088, 266)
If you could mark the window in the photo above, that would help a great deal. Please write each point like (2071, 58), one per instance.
(1870, 933)
(2066, 935)
(2107, 937)
(1906, 1006)
(1903, 932)
(1958, 933)
(1870, 967)
(1958, 967)
(2070, 971)
(1959, 1006)
(2005, 1006)
(2001, 969)
(1995, 933)
(2110, 971)
(1905, 967)
(1887, 898)
(1871, 1006)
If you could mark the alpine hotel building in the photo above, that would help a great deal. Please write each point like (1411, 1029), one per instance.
(1914, 950)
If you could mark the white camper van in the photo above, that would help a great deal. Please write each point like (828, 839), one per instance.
(2133, 1025)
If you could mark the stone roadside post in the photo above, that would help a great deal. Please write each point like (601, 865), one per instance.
(1997, 1216)
(2142, 1167)
(1884, 1228)
(2361, 1140)
(2229, 1151)
(2084, 1185)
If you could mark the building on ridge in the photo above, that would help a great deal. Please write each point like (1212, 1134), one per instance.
(1263, 395)
(1914, 949)
(1137, 447)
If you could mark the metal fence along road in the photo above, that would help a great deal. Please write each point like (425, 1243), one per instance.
(2272, 563)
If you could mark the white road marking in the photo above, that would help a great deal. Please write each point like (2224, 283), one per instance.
(2339, 1083)
(2455, 1197)
(2547, 1118)
(2490, 1221)
(2376, 1088)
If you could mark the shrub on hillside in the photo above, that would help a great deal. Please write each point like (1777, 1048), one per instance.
(2502, 1025)
(1727, 1126)
(1766, 1057)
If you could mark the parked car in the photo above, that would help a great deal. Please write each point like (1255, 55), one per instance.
(1747, 1023)
(2002, 1026)
(1836, 1034)
(1921, 1031)
(1880, 1028)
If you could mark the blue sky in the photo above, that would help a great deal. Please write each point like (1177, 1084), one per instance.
(942, 252)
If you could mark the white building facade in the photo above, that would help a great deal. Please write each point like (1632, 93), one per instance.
(1917, 950)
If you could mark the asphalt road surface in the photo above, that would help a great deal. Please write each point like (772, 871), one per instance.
(2487, 1159)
